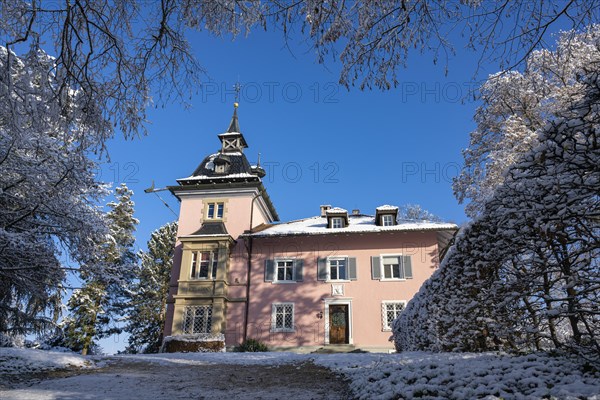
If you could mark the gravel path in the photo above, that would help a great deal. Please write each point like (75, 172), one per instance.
(125, 379)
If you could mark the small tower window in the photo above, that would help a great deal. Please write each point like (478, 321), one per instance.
(214, 211)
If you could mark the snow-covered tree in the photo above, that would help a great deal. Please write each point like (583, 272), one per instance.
(525, 274)
(48, 194)
(79, 327)
(417, 213)
(97, 308)
(146, 316)
(516, 107)
(121, 52)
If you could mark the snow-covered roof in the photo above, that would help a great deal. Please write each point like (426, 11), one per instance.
(228, 176)
(387, 207)
(336, 210)
(357, 224)
(240, 169)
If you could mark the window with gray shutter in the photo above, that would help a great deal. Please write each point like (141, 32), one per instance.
(406, 262)
(375, 267)
(269, 270)
(322, 269)
(352, 268)
(299, 264)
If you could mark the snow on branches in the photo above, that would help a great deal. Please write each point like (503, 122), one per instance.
(525, 274)
(516, 107)
(48, 191)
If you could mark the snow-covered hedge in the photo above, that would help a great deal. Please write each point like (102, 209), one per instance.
(199, 343)
(525, 275)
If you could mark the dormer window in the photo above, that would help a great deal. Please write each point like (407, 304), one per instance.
(386, 215)
(337, 222)
(222, 163)
(387, 220)
(336, 217)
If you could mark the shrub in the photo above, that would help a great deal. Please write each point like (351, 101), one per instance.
(251, 346)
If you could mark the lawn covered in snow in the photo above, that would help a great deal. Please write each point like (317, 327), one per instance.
(370, 375)
(16, 360)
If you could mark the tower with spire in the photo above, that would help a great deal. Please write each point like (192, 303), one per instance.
(223, 198)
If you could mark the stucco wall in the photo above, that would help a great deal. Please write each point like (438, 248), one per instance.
(236, 218)
(310, 296)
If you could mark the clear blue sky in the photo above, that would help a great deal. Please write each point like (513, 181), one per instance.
(320, 143)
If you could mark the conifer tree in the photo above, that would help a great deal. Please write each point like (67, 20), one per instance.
(98, 306)
(148, 302)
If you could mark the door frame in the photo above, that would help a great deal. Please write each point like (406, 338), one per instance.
(338, 301)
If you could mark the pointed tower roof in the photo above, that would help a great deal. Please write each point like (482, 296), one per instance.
(234, 125)
(227, 168)
(233, 140)
(229, 164)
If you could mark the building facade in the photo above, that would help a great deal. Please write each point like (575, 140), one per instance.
(337, 278)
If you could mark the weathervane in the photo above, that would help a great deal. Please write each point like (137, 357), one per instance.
(237, 87)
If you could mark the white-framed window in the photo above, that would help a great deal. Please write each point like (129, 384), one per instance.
(392, 267)
(387, 220)
(390, 310)
(338, 269)
(282, 317)
(204, 264)
(197, 319)
(214, 210)
(337, 222)
(285, 270)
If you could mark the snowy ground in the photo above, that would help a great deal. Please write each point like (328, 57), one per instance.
(294, 376)
(15, 360)
(463, 376)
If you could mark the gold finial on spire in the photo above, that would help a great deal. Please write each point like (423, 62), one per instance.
(236, 104)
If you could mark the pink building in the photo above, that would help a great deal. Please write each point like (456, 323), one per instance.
(337, 278)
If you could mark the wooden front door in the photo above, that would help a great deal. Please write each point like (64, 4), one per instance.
(338, 324)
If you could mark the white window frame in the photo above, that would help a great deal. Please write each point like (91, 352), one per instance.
(187, 326)
(400, 268)
(274, 327)
(196, 261)
(337, 258)
(386, 325)
(276, 266)
(387, 220)
(216, 206)
(338, 220)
